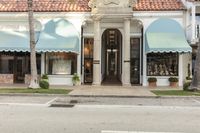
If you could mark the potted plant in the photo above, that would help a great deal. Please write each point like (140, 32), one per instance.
(152, 81)
(173, 81)
(75, 79)
(188, 79)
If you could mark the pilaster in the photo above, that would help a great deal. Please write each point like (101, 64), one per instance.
(193, 23)
(97, 53)
(42, 63)
(126, 51)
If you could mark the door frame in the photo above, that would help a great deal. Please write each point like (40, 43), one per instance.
(119, 53)
(140, 59)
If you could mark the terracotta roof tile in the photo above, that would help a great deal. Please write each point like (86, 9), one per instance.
(45, 5)
(158, 5)
(82, 5)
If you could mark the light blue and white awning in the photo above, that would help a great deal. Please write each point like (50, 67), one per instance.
(14, 41)
(58, 35)
(166, 35)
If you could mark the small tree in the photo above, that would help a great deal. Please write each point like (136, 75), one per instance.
(34, 77)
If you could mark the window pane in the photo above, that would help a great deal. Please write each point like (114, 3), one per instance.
(162, 64)
(61, 63)
(6, 64)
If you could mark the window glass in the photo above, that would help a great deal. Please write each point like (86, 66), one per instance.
(61, 63)
(6, 64)
(88, 60)
(162, 64)
(11, 63)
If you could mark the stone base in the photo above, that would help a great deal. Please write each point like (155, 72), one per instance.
(6, 78)
(126, 84)
(27, 78)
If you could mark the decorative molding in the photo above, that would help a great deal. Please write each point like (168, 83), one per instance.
(107, 2)
(92, 3)
(112, 3)
(132, 3)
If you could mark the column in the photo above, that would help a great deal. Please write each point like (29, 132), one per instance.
(126, 51)
(144, 78)
(97, 53)
(180, 69)
(42, 63)
(193, 23)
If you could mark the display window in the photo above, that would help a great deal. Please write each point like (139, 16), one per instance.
(17, 61)
(162, 64)
(61, 63)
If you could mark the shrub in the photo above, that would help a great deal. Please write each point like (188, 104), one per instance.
(173, 79)
(75, 78)
(188, 78)
(186, 86)
(44, 84)
(152, 79)
(45, 76)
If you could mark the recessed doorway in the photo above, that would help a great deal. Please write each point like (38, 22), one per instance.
(111, 57)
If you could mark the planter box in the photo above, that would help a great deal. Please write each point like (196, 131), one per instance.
(173, 84)
(152, 84)
(6, 78)
(28, 78)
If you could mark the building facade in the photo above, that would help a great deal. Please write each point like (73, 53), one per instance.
(104, 41)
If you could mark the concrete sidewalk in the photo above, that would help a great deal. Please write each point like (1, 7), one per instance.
(115, 91)
(101, 91)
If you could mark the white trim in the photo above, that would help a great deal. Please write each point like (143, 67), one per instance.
(135, 34)
(85, 35)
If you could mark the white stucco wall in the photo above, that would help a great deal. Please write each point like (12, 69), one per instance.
(187, 59)
(77, 19)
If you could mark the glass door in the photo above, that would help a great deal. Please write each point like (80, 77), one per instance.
(88, 60)
(112, 62)
(135, 60)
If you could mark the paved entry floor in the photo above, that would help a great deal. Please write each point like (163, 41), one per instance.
(111, 91)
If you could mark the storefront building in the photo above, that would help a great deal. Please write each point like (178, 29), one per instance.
(104, 41)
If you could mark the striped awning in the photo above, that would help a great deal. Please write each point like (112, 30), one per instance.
(58, 35)
(166, 35)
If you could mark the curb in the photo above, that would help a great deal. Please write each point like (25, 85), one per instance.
(114, 96)
(91, 96)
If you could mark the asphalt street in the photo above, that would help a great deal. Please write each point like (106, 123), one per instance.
(47, 100)
(32, 114)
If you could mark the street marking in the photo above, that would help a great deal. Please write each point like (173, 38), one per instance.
(134, 132)
(196, 101)
(49, 102)
(25, 104)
